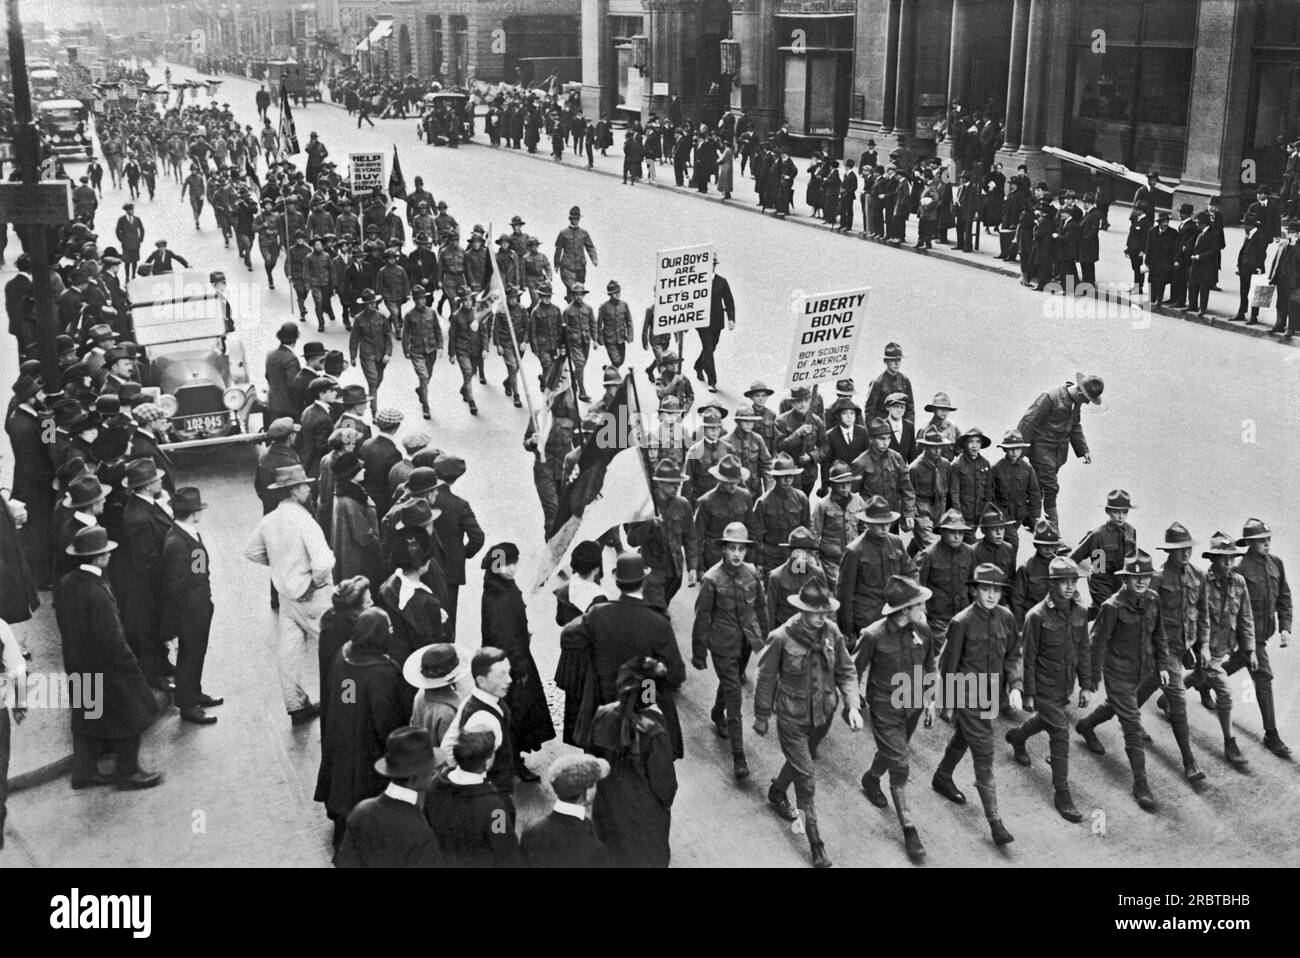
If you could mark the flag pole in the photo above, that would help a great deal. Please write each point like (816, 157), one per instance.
(279, 154)
(642, 449)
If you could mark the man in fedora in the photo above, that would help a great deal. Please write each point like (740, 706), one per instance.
(898, 643)
(1185, 622)
(802, 567)
(868, 563)
(1015, 488)
(884, 473)
(372, 339)
(1128, 647)
(982, 653)
(801, 434)
(726, 503)
(435, 671)
(1104, 550)
(1052, 427)
(389, 830)
(281, 367)
(146, 520)
(945, 568)
(1029, 584)
(94, 643)
(457, 530)
(1056, 648)
(630, 626)
(1231, 633)
(1270, 609)
(730, 613)
(289, 541)
(667, 540)
(316, 424)
(777, 513)
(804, 675)
(187, 603)
(313, 357)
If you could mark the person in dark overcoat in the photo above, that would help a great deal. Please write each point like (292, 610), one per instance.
(465, 809)
(18, 599)
(565, 838)
(418, 617)
(94, 644)
(505, 626)
(337, 625)
(458, 531)
(574, 673)
(633, 806)
(371, 699)
(33, 485)
(187, 606)
(145, 523)
(354, 527)
(389, 830)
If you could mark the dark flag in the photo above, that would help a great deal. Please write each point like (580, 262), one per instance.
(288, 132)
(396, 182)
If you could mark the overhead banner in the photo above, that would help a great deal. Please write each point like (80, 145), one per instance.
(366, 172)
(827, 329)
(683, 288)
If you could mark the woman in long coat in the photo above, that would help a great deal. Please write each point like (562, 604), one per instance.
(371, 699)
(725, 172)
(505, 626)
(337, 625)
(414, 610)
(632, 812)
(354, 529)
(573, 673)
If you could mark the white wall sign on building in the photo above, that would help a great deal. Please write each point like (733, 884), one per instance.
(827, 330)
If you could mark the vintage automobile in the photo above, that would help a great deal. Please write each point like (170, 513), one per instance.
(286, 74)
(194, 367)
(446, 113)
(64, 122)
(45, 82)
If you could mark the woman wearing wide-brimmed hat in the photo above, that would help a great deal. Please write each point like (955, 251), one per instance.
(436, 671)
(804, 676)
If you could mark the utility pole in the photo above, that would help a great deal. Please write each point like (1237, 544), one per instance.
(27, 160)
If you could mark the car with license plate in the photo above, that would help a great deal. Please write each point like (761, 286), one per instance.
(193, 365)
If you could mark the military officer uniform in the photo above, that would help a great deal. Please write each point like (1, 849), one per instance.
(1052, 427)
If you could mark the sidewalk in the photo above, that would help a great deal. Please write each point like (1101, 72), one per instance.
(1114, 275)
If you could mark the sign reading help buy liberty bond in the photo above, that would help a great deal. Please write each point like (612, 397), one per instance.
(683, 288)
(827, 329)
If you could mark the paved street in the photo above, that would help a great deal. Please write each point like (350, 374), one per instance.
(1200, 427)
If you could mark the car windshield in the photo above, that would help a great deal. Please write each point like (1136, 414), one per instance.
(61, 117)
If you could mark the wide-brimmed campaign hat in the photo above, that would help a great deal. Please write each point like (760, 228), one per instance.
(1046, 533)
(435, 666)
(893, 351)
(953, 521)
(1177, 537)
(729, 469)
(719, 411)
(975, 433)
(878, 428)
(408, 753)
(736, 532)
(1119, 499)
(784, 465)
(878, 511)
(758, 387)
(840, 471)
(986, 573)
(1254, 529)
(932, 437)
(286, 477)
(813, 597)
(994, 518)
(744, 413)
(940, 401)
(91, 541)
(368, 297)
(1222, 544)
(1062, 567)
(1013, 440)
(1092, 387)
(800, 537)
(668, 471)
(902, 593)
(1138, 564)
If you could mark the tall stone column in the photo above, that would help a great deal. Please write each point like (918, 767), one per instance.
(756, 88)
(904, 98)
(1037, 53)
(448, 49)
(1016, 75)
(889, 104)
(597, 59)
(959, 53)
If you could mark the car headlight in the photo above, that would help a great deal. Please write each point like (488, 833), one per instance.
(168, 404)
(233, 398)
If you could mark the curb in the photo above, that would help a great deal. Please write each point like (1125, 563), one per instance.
(1127, 300)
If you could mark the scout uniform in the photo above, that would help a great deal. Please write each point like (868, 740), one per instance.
(672, 383)
(668, 442)
(548, 474)
(536, 270)
(837, 520)
(885, 385)
(946, 428)
(704, 457)
(972, 484)
(1015, 490)
(544, 329)
(1270, 609)
(945, 572)
(578, 325)
(751, 449)
(372, 339)
(931, 479)
(668, 541)
(421, 340)
(792, 575)
(466, 342)
(511, 348)
(777, 513)
(614, 326)
(868, 563)
(1105, 549)
(804, 676)
(1052, 427)
(1056, 650)
(998, 553)
(1029, 584)
(296, 263)
(717, 509)
(451, 267)
(657, 344)
(885, 474)
(982, 652)
(757, 394)
(572, 247)
(802, 436)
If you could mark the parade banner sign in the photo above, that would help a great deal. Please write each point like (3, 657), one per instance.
(827, 330)
(683, 288)
(367, 172)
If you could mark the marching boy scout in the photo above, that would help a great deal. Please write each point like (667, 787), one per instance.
(1015, 488)
(777, 513)
(944, 568)
(837, 520)
(931, 475)
(982, 653)
(1055, 641)
(751, 448)
(900, 643)
(1270, 605)
(730, 612)
(1105, 549)
(804, 672)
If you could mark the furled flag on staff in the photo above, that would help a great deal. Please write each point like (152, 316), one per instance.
(610, 488)
(558, 399)
(396, 182)
(288, 132)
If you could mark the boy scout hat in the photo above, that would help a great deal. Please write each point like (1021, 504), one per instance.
(1013, 440)
(710, 417)
(669, 358)
(757, 387)
(953, 521)
(503, 238)
(813, 597)
(1254, 529)
(1046, 534)
(668, 471)
(893, 351)
(532, 241)
(736, 532)
(879, 428)
(670, 404)
(800, 392)
(1221, 545)
(1177, 537)
(878, 511)
(611, 376)
(574, 213)
(902, 593)
(931, 437)
(1139, 564)
(544, 289)
(994, 518)
(800, 538)
(417, 291)
(368, 297)
(577, 288)
(745, 413)
(1119, 499)
(610, 287)
(975, 433)
(729, 469)
(1092, 387)
(516, 220)
(423, 237)
(986, 573)
(840, 472)
(1063, 567)
(784, 465)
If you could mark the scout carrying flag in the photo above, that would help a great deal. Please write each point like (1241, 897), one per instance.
(288, 132)
(396, 182)
(607, 484)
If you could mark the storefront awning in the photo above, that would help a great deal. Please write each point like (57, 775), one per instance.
(382, 31)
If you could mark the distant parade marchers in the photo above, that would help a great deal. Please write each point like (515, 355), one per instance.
(835, 544)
